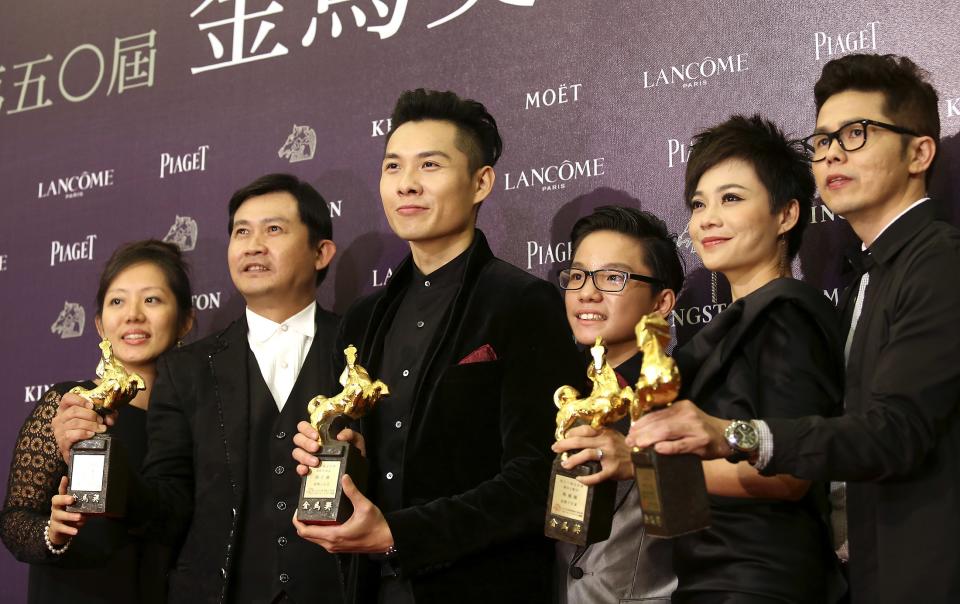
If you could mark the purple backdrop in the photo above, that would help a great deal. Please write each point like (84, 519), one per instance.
(119, 124)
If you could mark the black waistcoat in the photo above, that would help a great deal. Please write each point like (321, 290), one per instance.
(272, 558)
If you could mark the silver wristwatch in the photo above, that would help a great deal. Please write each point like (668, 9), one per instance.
(744, 438)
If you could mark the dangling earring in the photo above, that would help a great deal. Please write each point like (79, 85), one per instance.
(785, 270)
(713, 287)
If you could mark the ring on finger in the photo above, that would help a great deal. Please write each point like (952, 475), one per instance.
(599, 454)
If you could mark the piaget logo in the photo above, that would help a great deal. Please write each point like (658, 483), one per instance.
(677, 152)
(194, 161)
(553, 178)
(829, 44)
(539, 254)
(61, 252)
(75, 186)
(695, 73)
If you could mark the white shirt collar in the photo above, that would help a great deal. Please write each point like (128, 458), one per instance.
(863, 246)
(262, 329)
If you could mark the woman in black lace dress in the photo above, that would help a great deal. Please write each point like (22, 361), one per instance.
(143, 304)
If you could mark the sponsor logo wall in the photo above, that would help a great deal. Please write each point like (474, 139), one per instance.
(120, 125)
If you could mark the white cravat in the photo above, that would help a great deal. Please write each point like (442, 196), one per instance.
(280, 348)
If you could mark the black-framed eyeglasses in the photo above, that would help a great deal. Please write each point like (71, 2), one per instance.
(605, 279)
(851, 137)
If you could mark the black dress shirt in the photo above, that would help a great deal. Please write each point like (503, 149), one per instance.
(898, 444)
(420, 311)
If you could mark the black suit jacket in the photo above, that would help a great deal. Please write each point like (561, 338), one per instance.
(477, 457)
(898, 444)
(194, 483)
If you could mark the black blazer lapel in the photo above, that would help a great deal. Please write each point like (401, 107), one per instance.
(228, 366)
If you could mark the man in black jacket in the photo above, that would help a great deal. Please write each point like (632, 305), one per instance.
(898, 443)
(218, 473)
(472, 349)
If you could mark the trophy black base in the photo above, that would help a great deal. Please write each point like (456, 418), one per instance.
(577, 513)
(673, 493)
(98, 477)
(321, 493)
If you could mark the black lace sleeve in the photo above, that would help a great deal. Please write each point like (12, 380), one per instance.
(35, 473)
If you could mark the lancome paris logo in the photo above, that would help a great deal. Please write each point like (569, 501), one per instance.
(75, 186)
(183, 233)
(695, 73)
(69, 323)
(555, 177)
(300, 145)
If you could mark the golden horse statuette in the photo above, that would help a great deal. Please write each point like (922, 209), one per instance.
(360, 393)
(321, 491)
(98, 465)
(577, 513)
(673, 493)
(116, 387)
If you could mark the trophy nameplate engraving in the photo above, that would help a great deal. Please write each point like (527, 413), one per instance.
(98, 466)
(672, 489)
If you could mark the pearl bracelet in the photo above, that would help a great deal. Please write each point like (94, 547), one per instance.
(50, 546)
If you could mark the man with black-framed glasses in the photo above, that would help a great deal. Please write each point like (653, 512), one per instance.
(897, 446)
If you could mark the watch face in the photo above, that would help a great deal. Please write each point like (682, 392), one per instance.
(745, 437)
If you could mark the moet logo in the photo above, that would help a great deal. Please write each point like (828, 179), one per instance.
(380, 281)
(300, 145)
(69, 323)
(696, 73)
(71, 252)
(33, 394)
(833, 295)
(554, 178)
(380, 127)
(183, 233)
(827, 45)
(548, 254)
(75, 186)
(195, 161)
(564, 93)
(206, 301)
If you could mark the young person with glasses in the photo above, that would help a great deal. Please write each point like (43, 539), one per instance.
(625, 265)
(898, 443)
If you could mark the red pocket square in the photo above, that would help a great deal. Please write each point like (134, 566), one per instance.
(480, 355)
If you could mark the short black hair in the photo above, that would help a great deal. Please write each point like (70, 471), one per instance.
(313, 209)
(659, 246)
(781, 165)
(477, 133)
(166, 257)
(909, 98)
